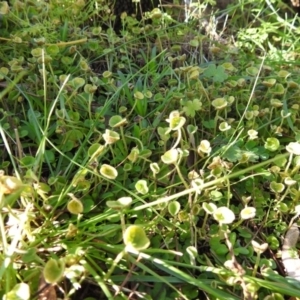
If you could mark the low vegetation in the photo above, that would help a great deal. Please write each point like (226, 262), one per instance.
(152, 158)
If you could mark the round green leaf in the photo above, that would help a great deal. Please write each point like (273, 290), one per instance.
(174, 208)
(37, 52)
(272, 144)
(252, 71)
(194, 43)
(52, 50)
(134, 154)
(110, 137)
(209, 207)
(108, 171)
(142, 187)
(224, 215)
(277, 187)
(224, 126)
(135, 237)
(138, 95)
(27, 161)
(53, 270)
(170, 157)
(204, 147)
(107, 74)
(215, 195)
(219, 103)
(175, 120)
(77, 82)
(117, 121)
(248, 213)
(75, 206)
(154, 168)
(95, 150)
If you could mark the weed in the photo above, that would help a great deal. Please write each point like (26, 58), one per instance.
(158, 161)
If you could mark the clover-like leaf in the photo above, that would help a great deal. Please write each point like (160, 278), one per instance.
(155, 168)
(215, 195)
(53, 270)
(163, 133)
(194, 43)
(277, 89)
(191, 107)
(252, 134)
(269, 82)
(127, 167)
(283, 74)
(77, 82)
(96, 30)
(228, 66)
(218, 74)
(219, 103)
(108, 171)
(209, 207)
(117, 121)
(53, 49)
(138, 95)
(3, 72)
(135, 238)
(74, 206)
(252, 71)
(107, 74)
(156, 13)
(95, 150)
(191, 129)
(170, 157)
(248, 213)
(193, 175)
(84, 66)
(90, 88)
(292, 84)
(134, 154)
(110, 137)
(174, 208)
(276, 103)
(272, 144)
(204, 147)
(289, 181)
(224, 126)
(224, 215)
(259, 248)
(142, 187)
(175, 120)
(194, 74)
(37, 52)
(277, 187)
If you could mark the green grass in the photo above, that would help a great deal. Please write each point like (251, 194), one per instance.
(148, 163)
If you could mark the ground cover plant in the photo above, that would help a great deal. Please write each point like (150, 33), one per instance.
(149, 157)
